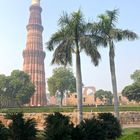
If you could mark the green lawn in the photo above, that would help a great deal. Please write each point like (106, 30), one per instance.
(131, 134)
(51, 109)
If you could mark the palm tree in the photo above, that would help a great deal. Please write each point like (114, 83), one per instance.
(73, 37)
(20, 128)
(109, 34)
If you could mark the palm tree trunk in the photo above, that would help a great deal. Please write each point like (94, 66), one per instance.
(113, 79)
(79, 86)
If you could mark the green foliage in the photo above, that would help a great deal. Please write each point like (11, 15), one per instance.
(111, 125)
(73, 36)
(15, 89)
(104, 127)
(93, 129)
(4, 96)
(104, 95)
(21, 87)
(57, 127)
(4, 133)
(132, 92)
(136, 76)
(61, 81)
(78, 133)
(21, 129)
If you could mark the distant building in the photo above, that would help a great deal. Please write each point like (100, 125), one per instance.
(88, 97)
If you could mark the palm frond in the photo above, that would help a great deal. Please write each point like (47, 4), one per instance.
(107, 21)
(130, 35)
(113, 16)
(56, 39)
(87, 44)
(94, 54)
(118, 35)
(103, 25)
(63, 54)
(97, 34)
(64, 20)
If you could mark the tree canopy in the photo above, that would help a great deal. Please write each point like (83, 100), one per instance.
(102, 94)
(61, 82)
(136, 76)
(132, 92)
(15, 89)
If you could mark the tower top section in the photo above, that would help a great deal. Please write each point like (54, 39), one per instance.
(35, 2)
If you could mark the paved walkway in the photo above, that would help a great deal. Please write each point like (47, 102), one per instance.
(131, 126)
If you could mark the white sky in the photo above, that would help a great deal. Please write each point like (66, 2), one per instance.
(14, 15)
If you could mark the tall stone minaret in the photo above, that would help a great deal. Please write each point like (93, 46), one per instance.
(34, 55)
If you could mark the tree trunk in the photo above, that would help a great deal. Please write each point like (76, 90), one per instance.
(79, 86)
(61, 99)
(113, 79)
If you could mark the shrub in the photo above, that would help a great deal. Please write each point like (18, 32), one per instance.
(3, 132)
(103, 127)
(92, 129)
(78, 133)
(58, 127)
(111, 125)
(21, 129)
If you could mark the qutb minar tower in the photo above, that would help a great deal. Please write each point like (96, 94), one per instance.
(34, 55)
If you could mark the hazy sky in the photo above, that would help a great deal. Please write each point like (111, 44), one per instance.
(14, 15)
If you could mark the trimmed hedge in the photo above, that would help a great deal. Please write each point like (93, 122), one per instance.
(51, 109)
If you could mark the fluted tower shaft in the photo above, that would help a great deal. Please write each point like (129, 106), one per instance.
(34, 55)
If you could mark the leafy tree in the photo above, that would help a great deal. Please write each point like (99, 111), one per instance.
(58, 127)
(21, 129)
(21, 87)
(16, 88)
(73, 37)
(109, 34)
(101, 94)
(111, 126)
(3, 96)
(136, 76)
(4, 133)
(61, 81)
(132, 92)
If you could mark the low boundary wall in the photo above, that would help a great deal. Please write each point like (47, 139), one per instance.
(127, 119)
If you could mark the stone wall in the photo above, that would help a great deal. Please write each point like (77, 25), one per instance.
(126, 118)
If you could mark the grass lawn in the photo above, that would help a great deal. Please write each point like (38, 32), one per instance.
(130, 134)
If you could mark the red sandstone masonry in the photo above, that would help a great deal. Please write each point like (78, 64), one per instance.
(34, 56)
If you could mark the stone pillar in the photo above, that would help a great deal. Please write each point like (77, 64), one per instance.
(34, 55)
